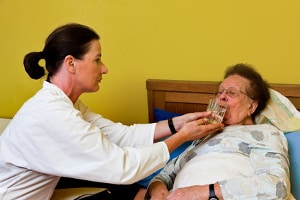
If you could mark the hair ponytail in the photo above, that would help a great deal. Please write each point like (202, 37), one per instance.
(31, 64)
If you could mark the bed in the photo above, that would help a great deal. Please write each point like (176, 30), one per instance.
(167, 98)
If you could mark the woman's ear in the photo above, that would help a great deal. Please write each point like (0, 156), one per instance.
(69, 62)
(252, 106)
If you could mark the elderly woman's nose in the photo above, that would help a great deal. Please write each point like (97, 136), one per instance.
(223, 96)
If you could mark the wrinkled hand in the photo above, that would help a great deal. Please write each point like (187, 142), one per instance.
(196, 192)
(158, 191)
(159, 197)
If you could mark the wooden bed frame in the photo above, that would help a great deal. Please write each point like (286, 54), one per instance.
(181, 97)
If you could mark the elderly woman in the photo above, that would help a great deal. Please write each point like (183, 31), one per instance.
(244, 161)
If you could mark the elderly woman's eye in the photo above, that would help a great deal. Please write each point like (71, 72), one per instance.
(233, 92)
(219, 92)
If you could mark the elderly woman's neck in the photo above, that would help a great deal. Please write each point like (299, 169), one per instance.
(248, 121)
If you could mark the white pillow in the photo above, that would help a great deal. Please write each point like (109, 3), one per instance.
(280, 112)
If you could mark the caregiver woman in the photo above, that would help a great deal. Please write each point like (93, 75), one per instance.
(55, 135)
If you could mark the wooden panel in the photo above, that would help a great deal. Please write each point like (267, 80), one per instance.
(288, 90)
(183, 108)
(188, 97)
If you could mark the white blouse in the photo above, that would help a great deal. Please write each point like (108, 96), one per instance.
(50, 137)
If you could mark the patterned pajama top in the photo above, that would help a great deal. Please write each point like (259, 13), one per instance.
(263, 147)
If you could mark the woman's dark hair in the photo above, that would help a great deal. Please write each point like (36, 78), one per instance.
(70, 39)
(259, 88)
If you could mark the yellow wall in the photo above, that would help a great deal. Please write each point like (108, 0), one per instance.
(141, 39)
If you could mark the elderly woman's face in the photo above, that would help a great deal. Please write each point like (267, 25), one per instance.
(240, 106)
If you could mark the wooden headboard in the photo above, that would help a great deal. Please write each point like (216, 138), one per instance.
(189, 96)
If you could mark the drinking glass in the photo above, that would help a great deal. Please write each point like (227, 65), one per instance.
(218, 109)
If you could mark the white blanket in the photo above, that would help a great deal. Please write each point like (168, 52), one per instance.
(195, 171)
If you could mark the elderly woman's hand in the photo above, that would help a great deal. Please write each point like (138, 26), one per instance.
(158, 191)
(195, 192)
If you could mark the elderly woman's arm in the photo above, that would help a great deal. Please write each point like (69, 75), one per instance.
(163, 182)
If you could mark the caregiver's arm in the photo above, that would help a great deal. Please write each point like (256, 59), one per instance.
(190, 127)
(162, 128)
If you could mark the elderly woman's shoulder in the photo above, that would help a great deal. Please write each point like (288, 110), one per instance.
(253, 127)
(267, 126)
(263, 129)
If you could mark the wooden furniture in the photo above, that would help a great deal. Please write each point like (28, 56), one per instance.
(180, 96)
